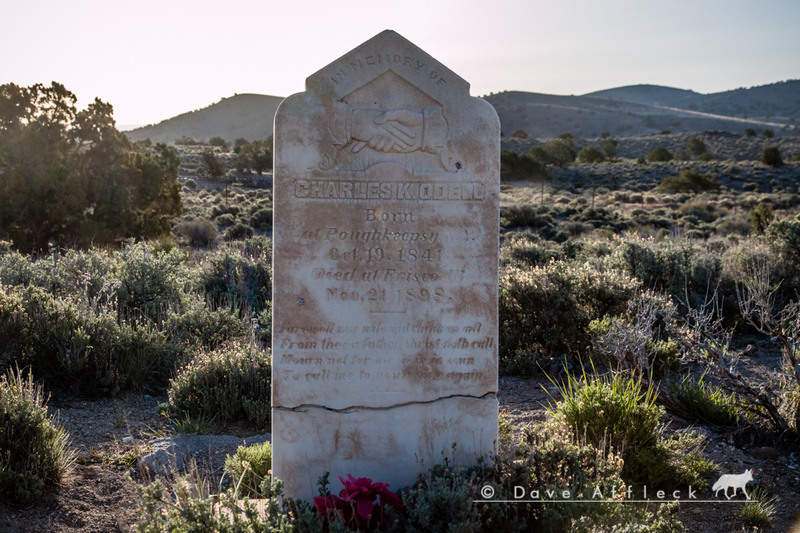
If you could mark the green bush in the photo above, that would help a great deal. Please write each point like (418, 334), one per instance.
(514, 166)
(559, 152)
(759, 510)
(189, 507)
(227, 384)
(248, 468)
(688, 180)
(238, 232)
(239, 277)
(205, 326)
(262, 219)
(701, 402)
(590, 154)
(90, 352)
(771, 156)
(534, 301)
(15, 342)
(621, 412)
(34, 450)
(618, 411)
(199, 233)
(659, 155)
(695, 146)
(225, 220)
(151, 282)
(669, 266)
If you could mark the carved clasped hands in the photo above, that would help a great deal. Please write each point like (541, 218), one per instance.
(395, 130)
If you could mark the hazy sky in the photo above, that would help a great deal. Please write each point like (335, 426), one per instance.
(154, 59)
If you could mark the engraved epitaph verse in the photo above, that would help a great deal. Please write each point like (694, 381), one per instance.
(385, 267)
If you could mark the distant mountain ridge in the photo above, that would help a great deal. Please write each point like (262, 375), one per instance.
(248, 116)
(622, 112)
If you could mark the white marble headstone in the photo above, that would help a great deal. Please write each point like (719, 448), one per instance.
(386, 189)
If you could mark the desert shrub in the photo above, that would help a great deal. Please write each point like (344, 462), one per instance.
(759, 510)
(634, 340)
(673, 267)
(749, 132)
(88, 351)
(34, 450)
(697, 400)
(547, 457)
(659, 155)
(590, 154)
(559, 152)
(610, 147)
(695, 146)
(238, 232)
(515, 166)
(736, 224)
(702, 209)
(262, 219)
(218, 142)
(601, 218)
(140, 357)
(440, 501)
(620, 411)
(15, 342)
(528, 248)
(248, 468)
(199, 233)
(529, 216)
(225, 220)
(188, 506)
(771, 156)
(205, 326)
(705, 157)
(760, 217)
(151, 282)
(238, 277)
(227, 384)
(671, 462)
(682, 155)
(534, 302)
(688, 180)
(218, 209)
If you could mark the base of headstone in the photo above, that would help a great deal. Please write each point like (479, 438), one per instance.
(387, 445)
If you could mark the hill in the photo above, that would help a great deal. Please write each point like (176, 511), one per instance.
(778, 102)
(244, 115)
(623, 112)
(647, 109)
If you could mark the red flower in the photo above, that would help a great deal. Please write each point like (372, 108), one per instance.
(356, 505)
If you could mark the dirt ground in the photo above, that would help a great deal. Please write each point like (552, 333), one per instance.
(100, 495)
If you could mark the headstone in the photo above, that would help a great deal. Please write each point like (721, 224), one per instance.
(386, 189)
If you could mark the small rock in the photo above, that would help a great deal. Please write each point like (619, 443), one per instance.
(766, 453)
(127, 440)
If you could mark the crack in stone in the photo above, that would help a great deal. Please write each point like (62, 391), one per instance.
(353, 408)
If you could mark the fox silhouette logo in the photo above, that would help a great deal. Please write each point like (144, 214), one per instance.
(736, 481)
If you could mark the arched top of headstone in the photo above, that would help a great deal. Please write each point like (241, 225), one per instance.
(388, 52)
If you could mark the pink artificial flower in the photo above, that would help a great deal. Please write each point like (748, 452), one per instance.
(356, 505)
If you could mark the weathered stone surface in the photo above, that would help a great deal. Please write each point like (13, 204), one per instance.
(385, 269)
(174, 454)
